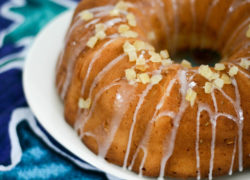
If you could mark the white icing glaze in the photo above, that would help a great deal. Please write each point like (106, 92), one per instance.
(139, 104)
(197, 142)
(239, 112)
(60, 60)
(145, 153)
(245, 74)
(233, 156)
(98, 9)
(238, 120)
(144, 142)
(192, 84)
(94, 59)
(213, 118)
(92, 22)
(169, 147)
(69, 69)
(145, 139)
(213, 123)
(83, 118)
(170, 114)
(124, 96)
(114, 21)
(104, 71)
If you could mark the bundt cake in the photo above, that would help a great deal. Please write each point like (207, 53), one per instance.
(136, 107)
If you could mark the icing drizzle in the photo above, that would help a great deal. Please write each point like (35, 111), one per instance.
(124, 95)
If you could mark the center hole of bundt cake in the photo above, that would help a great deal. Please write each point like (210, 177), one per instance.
(198, 56)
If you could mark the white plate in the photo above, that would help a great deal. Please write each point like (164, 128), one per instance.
(39, 87)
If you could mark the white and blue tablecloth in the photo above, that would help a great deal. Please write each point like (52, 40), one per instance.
(26, 150)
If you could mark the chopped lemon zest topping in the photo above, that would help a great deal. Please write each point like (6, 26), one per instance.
(166, 62)
(144, 78)
(86, 15)
(100, 31)
(155, 57)
(219, 83)
(132, 56)
(245, 63)
(100, 35)
(140, 61)
(191, 96)
(226, 79)
(123, 28)
(121, 6)
(128, 47)
(215, 75)
(155, 79)
(139, 45)
(208, 87)
(219, 66)
(233, 71)
(131, 19)
(129, 34)
(186, 64)
(149, 47)
(84, 104)
(92, 41)
(206, 72)
(100, 27)
(130, 74)
(130, 50)
(164, 54)
(141, 67)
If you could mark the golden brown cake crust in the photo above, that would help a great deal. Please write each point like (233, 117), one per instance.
(157, 129)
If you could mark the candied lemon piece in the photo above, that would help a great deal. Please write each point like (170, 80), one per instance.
(130, 74)
(155, 79)
(92, 41)
(208, 87)
(86, 15)
(186, 63)
(191, 96)
(219, 66)
(84, 104)
(144, 78)
(219, 83)
(131, 19)
(233, 71)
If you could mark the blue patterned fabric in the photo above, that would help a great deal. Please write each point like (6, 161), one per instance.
(27, 151)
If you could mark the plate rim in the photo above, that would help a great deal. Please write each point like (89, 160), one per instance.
(96, 161)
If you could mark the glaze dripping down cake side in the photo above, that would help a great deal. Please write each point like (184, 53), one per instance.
(133, 105)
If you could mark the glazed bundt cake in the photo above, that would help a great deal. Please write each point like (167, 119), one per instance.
(136, 107)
